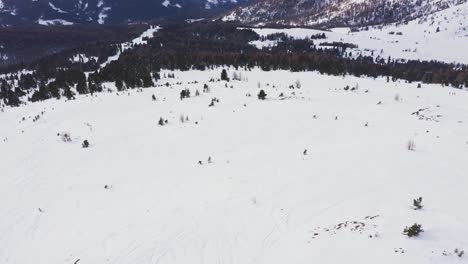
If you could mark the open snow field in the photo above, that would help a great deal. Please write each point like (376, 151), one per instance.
(441, 36)
(260, 201)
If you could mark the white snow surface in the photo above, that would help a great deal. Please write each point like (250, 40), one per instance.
(83, 58)
(167, 3)
(260, 200)
(49, 22)
(149, 33)
(56, 8)
(419, 39)
(103, 15)
(212, 3)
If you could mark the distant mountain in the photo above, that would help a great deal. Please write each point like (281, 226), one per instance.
(334, 13)
(326, 13)
(66, 12)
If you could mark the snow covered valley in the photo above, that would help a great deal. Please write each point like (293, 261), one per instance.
(316, 173)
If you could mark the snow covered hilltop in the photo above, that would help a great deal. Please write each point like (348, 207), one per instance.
(335, 13)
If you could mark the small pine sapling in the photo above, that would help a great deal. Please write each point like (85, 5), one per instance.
(413, 231)
(85, 144)
(417, 203)
(459, 253)
(262, 95)
(66, 137)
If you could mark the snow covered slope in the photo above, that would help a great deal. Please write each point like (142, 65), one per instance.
(440, 36)
(332, 13)
(138, 194)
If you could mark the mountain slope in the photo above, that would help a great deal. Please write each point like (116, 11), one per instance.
(13, 12)
(424, 38)
(332, 13)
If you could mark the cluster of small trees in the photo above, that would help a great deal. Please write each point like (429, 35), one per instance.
(185, 93)
(214, 100)
(162, 121)
(410, 145)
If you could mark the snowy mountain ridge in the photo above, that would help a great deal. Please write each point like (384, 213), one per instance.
(422, 38)
(332, 13)
(48, 12)
(325, 13)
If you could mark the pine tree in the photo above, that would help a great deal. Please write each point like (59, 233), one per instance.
(147, 80)
(224, 75)
(183, 94)
(82, 87)
(262, 95)
(119, 85)
(417, 203)
(68, 93)
(85, 144)
(12, 99)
